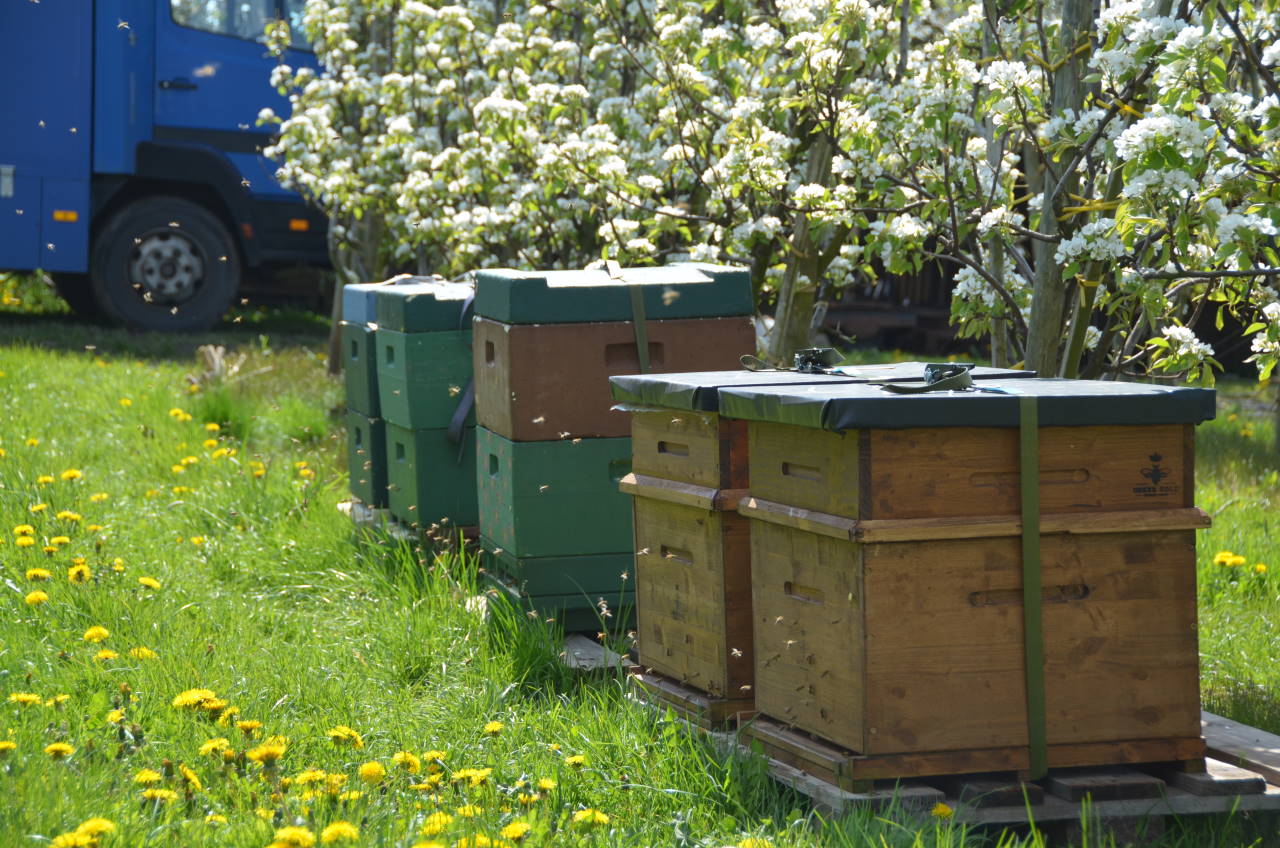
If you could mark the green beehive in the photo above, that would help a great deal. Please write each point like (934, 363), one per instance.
(424, 307)
(430, 477)
(558, 498)
(682, 290)
(367, 459)
(422, 377)
(586, 592)
(360, 370)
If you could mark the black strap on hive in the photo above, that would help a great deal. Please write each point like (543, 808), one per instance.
(1032, 623)
(459, 420)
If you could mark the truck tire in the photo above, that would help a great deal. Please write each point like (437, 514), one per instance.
(164, 263)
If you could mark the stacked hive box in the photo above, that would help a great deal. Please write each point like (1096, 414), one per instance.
(550, 449)
(889, 566)
(366, 432)
(693, 557)
(423, 356)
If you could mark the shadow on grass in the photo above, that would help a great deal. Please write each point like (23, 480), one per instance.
(254, 328)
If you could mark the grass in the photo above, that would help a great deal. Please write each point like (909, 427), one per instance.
(290, 617)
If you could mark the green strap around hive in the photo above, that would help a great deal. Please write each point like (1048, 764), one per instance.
(1033, 634)
(641, 330)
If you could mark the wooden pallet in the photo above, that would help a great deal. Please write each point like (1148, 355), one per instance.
(1242, 774)
(695, 708)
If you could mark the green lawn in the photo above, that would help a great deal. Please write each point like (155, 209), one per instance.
(186, 556)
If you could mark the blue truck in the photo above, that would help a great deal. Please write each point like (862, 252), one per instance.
(131, 169)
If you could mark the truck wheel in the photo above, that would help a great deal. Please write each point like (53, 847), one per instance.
(164, 263)
(76, 290)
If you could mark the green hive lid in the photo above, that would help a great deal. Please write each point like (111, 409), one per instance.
(1062, 403)
(699, 390)
(424, 306)
(684, 290)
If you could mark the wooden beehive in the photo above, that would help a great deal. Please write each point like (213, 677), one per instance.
(693, 576)
(887, 570)
(367, 459)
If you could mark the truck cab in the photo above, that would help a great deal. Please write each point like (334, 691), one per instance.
(131, 167)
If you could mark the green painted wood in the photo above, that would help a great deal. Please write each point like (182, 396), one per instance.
(576, 611)
(685, 290)
(430, 478)
(421, 376)
(557, 498)
(423, 307)
(367, 459)
(359, 369)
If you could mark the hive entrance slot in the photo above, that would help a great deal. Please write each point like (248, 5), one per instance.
(801, 472)
(673, 448)
(808, 594)
(677, 554)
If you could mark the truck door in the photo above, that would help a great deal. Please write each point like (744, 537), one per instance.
(213, 78)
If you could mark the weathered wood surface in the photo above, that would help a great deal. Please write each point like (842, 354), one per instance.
(963, 471)
(691, 447)
(1240, 745)
(697, 708)
(676, 492)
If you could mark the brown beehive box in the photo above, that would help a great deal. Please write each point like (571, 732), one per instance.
(693, 589)
(537, 382)
(887, 570)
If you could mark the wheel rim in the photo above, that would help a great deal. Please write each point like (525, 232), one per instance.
(166, 266)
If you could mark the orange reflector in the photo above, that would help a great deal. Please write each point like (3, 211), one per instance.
(299, 225)
(66, 216)
(247, 229)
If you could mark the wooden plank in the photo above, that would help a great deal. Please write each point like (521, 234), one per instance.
(583, 654)
(1240, 745)
(1219, 778)
(944, 627)
(807, 598)
(811, 521)
(678, 445)
(923, 529)
(944, 471)
(692, 705)
(670, 491)
(1110, 784)
(810, 469)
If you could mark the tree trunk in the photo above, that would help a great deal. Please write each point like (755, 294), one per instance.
(792, 320)
(1044, 334)
(995, 244)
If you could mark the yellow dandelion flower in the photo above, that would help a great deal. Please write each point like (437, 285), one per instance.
(79, 574)
(432, 844)
(372, 772)
(25, 699)
(189, 460)
(59, 750)
(478, 840)
(264, 814)
(190, 778)
(1236, 561)
(220, 452)
(7, 745)
(1222, 557)
(351, 795)
(147, 777)
(50, 549)
(57, 700)
(310, 776)
(435, 759)
(528, 798)
(196, 540)
(126, 402)
(212, 426)
(941, 811)
(516, 830)
(340, 831)
(590, 818)
(24, 530)
(24, 541)
(214, 746)
(71, 474)
(96, 827)
(176, 412)
(59, 541)
(149, 582)
(755, 842)
(97, 633)
(160, 796)
(192, 699)
(249, 726)
(105, 654)
(493, 728)
(73, 840)
(115, 716)
(546, 784)
(469, 811)
(342, 734)
(209, 443)
(576, 761)
(407, 761)
(435, 824)
(215, 818)
(142, 653)
(93, 528)
(37, 508)
(1259, 568)
(266, 754)
(32, 442)
(178, 469)
(99, 497)
(38, 574)
(36, 598)
(44, 479)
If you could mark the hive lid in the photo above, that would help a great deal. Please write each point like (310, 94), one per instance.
(699, 390)
(1062, 403)
(423, 306)
(683, 290)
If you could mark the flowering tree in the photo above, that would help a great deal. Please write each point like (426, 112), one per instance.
(1099, 184)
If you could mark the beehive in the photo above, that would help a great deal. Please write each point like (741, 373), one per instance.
(584, 592)
(422, 350)
(693, 564)
(888, 563)
(366, 459)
